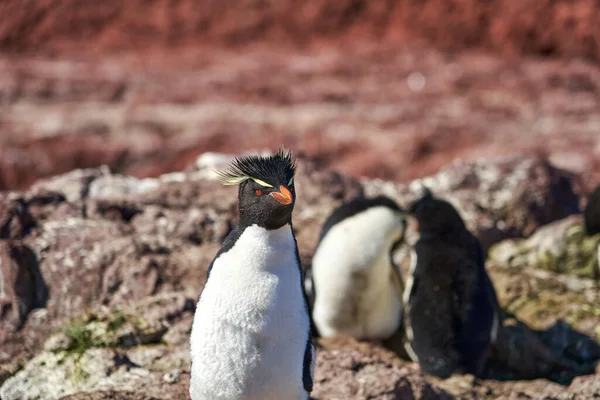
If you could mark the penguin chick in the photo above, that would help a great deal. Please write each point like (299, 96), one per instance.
(451, 310)
(591, 215)
(357, 288)
(250, 337)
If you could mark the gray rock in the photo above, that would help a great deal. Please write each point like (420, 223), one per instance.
(125, 259)
(498, 198)
(560, 247)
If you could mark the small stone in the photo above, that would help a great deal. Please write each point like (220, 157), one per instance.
(58, 342)
(171, 377)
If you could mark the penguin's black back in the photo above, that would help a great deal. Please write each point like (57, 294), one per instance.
(452, 307)
(591, 214)
(307, 379)
(476, 328)
(353, 207)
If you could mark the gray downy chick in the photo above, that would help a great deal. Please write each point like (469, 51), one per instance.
(451, 311)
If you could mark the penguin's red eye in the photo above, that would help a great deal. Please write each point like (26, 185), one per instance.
(258, 192)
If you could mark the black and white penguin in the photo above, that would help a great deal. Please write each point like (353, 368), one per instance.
(451, 311)
(251, 332)
(591, 215)
(355, 286)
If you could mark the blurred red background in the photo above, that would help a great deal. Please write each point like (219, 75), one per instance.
(389, 89)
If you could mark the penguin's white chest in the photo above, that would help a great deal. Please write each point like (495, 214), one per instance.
(355, 294)
(251, 326)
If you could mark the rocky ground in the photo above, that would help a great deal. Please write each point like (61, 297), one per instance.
(100, 273)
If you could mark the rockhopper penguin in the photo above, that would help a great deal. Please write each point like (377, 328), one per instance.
(451, 312)
(356, 286)
(251, 332)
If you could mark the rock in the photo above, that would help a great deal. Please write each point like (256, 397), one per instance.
(110, 395)
(22, 287)
(74, 185)
(171, 377)
(15, 220)
(498, 198)
(91, 353)
(8, 369)
(143, 322)
(110, 372)
(124, 260)
(347, 369)
(53, 375)
(59, 341)
(550, 328)
(546, 278)
(560, 247)
(151, 389)
(584, 387)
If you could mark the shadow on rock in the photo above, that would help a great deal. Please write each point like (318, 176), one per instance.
(23, 287)
(559, 353)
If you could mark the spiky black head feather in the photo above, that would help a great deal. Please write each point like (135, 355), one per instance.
(266, 188)
(270, 171)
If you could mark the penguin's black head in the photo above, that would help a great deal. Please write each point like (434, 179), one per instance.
(266, 193)
(436, 216)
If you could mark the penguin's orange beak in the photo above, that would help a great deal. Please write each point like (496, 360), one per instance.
(284, 196)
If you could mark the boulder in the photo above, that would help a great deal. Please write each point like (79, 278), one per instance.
(560, 247)
(498, 198)
(100, 274)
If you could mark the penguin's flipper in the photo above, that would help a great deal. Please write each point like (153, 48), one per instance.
(490, 291)
(308, 366)
(228, 243)
(397, 280)
(497, 320)
(474, 315)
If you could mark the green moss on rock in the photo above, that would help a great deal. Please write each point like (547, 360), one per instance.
(578, 256)
(561, 248)
(111, 329)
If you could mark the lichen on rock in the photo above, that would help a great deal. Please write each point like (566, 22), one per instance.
(561, 247)
(134, 254)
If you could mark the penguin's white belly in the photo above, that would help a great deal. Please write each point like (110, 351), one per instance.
(251, 327)
(352, 276)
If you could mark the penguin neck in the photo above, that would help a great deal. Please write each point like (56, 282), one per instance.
(274, 236)
(451, 232)
(280, 243)
(271, 224)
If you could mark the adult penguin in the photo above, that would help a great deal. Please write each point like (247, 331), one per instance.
(251, 331)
